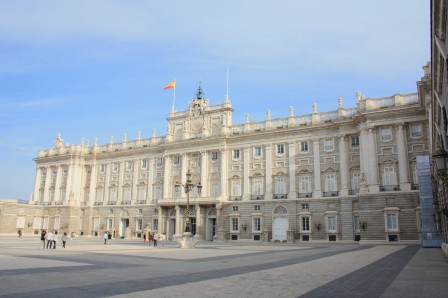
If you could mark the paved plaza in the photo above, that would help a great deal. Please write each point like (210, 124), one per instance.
(128, 268)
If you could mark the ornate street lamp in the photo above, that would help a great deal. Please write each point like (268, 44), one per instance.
(188, 187)
(440, 157)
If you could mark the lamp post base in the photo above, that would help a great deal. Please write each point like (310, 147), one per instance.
(187, 240)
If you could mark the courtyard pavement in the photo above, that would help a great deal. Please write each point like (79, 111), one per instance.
(129, 268)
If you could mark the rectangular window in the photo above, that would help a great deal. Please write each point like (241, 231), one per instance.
(234, 208)
(331, 224)
(356, 224)
(110, 223)
(416, 130)
(96, 224)
(389, 176)
(176, 160)
(129, 165)
(304, 146)
(144, 163)
(355, 141)
(155, 224)
(236, 153)
(356, 179)
(280, 185)
(115, 166)
(280, 149)
(304, 184)
(236, 188)
(328, 144)
(256, 224)
(392, 222)
(214, 188)
(257, 151)
(305, 223)
(159, 162)
(102, 168)
(257, 187)
(330, 182)
(257, 207)
(235, 226)
(214, 156)
(305, 206)
(57, 223)
(37, 223)
(20, 224)
(141, 192)
(386, 134)
(139, 226)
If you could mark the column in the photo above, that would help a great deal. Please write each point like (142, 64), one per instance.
(93, 180)
(373, 162)
(37, 181)
(268, 171)
(150, 190)
(135, 181)
(106, 183)
(316, 163)
(57, 186)
(198, 223)
(47, 184)
(183, 174)
(166, 177)
(343, 165)
(403, 164)
(364, 154)
(204, 180)
(122, 169)
(177, 231)
(292, 170)
(159, 220)
(223, 174)
(246, 181)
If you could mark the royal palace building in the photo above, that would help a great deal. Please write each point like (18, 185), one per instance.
(345, 175)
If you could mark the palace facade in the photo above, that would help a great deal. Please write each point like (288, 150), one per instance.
(345, 175)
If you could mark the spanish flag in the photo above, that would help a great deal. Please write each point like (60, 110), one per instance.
(171, 85)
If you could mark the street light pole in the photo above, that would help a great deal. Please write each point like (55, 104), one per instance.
(188, 187)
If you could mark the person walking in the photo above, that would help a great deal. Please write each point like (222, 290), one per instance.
(144, 238)
(162, 238)
(150, 238)
(19, 232)
(55, 239)
(155, 238)
(105, 237)
(109, 238)
(64, 240)
(49, 239)
(43, 236)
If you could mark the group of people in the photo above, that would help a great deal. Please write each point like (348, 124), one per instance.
(50, 239)
(107, 238)
(153, 238)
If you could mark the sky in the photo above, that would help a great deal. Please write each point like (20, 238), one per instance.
(96, 68)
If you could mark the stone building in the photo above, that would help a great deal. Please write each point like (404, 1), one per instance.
(345, 175)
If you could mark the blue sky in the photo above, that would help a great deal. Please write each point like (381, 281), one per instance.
(92, 69)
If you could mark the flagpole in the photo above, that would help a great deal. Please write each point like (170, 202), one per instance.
(174, 93)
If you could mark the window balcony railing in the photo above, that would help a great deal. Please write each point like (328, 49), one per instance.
(280, 196)
(414, 187)
(125, 202)
(83, 203)
(111, 203)
(98, 203)
(331, 193)
(58, 203)
(304, 195)
(257, 197)
(353, 192)
(389, 187)
(235, 198)
(141, 202)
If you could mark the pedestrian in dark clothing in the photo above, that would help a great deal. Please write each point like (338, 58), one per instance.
(42, 237)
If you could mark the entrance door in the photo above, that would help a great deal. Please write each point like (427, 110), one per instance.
(279, 229)
(124, 224)
(211, 228)
(193, 225)
(172, 228)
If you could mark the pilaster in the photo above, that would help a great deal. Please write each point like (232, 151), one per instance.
(246, 181)
(316, 168)
(403, 164)
(268, 171)
(343, 166)
(292, 170)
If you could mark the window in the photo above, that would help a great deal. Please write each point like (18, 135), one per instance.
(236, 154)
(256, 221)
(214, 156)
(110, 223)
(96, 224)
(304, 184)
(257, 187)
(386, 134)
(140, 211)
(102, 168)
(99, 195)
(389, 176)
(416, 130)
(57, 223)
(127, 193)
(330, 182)
(20, 222)
(392, 221)
(280, 185)
(155, 224)
(45, 225)
(331, 224)
(115, 167)
(129, 165)
(304, 146)
(176, 160)
(141, 192)
(280, 149)
(139, 225)
(356, 179)
(236, 188)
(37, 222)
(158, 192)
(234, 208)
(159, 162)
(111, 211)
(328, 144)
(305, 223)
(144, 163)
(355, 141)
(257, 151)
(356, 223)
(234, 224)
(305, 206)
(214, 188)
(113, 194)
(257, 207)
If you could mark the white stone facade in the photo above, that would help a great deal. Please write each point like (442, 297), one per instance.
(345, 175)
